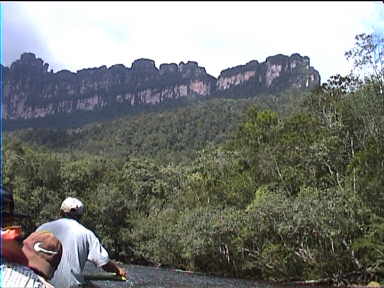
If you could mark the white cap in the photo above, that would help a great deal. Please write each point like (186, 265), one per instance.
(72, 205)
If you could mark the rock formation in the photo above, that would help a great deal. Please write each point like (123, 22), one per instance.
(277, 73)
(31, 91)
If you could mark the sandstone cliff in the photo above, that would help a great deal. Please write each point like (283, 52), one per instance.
(31, 91)
(277, 73)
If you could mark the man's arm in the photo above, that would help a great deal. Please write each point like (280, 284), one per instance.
(98, 254)
(113, 267)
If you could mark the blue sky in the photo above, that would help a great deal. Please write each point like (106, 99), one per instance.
(217, 35)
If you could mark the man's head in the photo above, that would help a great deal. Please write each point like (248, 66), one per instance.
(7, 208)
(72, 208)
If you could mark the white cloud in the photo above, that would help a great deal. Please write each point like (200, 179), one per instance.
(217, 35)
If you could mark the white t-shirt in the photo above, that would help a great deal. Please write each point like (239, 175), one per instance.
(79, 245)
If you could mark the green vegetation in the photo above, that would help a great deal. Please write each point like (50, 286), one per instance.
(282, 187)
(170, 134)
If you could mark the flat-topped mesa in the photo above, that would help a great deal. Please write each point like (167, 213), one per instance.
(192, 70)
(30, 62)
(237, 75)
(171, 68)
(250, 66)
(144, 65)
(275, 74)
(32, 92)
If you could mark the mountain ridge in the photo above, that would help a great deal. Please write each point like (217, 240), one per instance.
(31, 92)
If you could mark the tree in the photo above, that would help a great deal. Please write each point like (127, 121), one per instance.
(368, 58)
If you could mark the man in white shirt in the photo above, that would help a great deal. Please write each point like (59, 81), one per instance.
(79, 245)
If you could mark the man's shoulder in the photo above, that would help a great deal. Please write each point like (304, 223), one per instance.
(65, 222)
(60, 221)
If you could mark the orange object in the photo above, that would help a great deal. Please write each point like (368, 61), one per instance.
(11, 247)
(11, 233)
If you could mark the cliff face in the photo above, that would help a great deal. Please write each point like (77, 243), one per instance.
(32, 92)
(275, 74)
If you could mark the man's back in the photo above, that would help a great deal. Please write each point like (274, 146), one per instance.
(79, 245)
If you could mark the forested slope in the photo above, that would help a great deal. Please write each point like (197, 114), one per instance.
(170, 133)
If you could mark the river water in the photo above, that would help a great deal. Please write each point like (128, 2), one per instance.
(152, 277)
